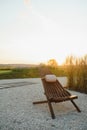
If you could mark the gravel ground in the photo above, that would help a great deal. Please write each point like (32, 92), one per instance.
(18, 113)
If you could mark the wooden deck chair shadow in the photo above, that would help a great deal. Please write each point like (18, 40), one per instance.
(55, 92)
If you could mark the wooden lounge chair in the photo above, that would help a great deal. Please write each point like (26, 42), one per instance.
(55, 92)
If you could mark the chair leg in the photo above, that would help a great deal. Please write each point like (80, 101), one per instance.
(75, 106)
(50, 107)
(40, 102)
(51, 110)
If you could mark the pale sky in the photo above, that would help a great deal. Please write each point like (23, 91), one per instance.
(35, 31)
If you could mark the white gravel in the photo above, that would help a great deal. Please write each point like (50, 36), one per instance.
(18, 113)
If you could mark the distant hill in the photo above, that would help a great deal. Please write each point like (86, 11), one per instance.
(17, 65)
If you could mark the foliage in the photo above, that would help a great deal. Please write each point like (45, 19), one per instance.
(77, 73)
(21, 73)
(52, 63)
(32, 72)
(59, 71)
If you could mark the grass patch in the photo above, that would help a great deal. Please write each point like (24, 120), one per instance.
(5, 71)
(19, 73)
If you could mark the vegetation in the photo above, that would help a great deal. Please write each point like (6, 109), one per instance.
(74, 68)
(4, 71)
(19, 73)
(31, 72)
(77, 73)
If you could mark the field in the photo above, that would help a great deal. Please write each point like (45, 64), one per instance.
(5, 71)
(19, 73)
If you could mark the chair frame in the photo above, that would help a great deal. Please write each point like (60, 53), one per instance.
(55, 92)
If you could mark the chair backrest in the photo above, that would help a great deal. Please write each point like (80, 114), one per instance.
(54, 89)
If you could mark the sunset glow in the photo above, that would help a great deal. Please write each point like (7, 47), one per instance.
(36, 31)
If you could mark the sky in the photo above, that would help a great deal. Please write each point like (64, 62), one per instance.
(35, 31)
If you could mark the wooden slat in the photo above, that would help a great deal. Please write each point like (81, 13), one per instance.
(55, 91)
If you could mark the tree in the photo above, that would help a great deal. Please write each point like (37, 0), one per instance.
(52, 63)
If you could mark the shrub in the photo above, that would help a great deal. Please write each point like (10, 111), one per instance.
(77, 73)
